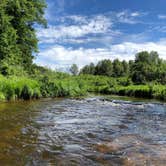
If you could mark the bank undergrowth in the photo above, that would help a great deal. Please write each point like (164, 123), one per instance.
(64, 85)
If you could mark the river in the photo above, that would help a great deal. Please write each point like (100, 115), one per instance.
(87, 132)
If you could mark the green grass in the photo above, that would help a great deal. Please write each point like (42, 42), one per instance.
(63, 85)
(14, 88)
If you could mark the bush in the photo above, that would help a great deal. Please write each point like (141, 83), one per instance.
(25, 88)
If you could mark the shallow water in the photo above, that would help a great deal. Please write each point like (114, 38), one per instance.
(90, 131)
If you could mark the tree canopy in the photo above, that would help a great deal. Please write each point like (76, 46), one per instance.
(146, 67)
(18, 41)
(74, 69)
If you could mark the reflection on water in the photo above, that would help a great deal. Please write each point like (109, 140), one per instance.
(91, 132)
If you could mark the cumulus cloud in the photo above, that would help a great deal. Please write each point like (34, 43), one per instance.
(71, 27)
(96, 33)
(58, 56)
(96, 25)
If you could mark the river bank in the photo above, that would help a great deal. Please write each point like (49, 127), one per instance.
(25, 88)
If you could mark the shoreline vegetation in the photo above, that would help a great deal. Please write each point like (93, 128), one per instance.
(144, 77)
(64, 85)
(20, 78)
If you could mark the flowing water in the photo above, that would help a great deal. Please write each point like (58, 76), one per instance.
(90, 132)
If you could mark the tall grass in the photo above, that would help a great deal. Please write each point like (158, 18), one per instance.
(63, 88)
(141, 91)
(13, 88)
(24, 88)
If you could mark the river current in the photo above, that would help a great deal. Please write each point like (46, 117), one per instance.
(88, 132)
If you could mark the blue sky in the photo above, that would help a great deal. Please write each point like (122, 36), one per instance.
(84, 31)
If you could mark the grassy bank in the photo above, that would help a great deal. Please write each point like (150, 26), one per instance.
(14, 88)
(64, 85)
(124, 87)
(26, 88)
(140, 91)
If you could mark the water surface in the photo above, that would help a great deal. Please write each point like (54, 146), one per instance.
(91, 131)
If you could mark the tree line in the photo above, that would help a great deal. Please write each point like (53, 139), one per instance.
(146, 67)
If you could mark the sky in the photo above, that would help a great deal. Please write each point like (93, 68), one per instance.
(84, 31)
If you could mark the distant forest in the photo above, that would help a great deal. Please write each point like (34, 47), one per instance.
(146, 67)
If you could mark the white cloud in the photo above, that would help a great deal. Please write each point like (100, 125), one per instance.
(128, 17)
(162, 16)
(96, 25)
(59, 56)
(72, 27)
(77, 18)
(98, 29)
(135, 14)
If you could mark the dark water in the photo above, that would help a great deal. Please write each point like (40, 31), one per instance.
(89, 132)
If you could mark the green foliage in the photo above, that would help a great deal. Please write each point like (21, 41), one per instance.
(13, 88)
(107, 68)
(74, 69)
(141, 91)
(88, 69)
(143, 77)
(24, 88)
(148, 67)
(118, 68)
(18, 39)
(104, 67)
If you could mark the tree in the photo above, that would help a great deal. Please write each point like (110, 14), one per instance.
(74, 69)
(88, 69)
(125, 66)
(147, 67)
(131, 63)
(92, 68)
(18, 40)
(118, 68)
(104, 67)
(8, 39)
